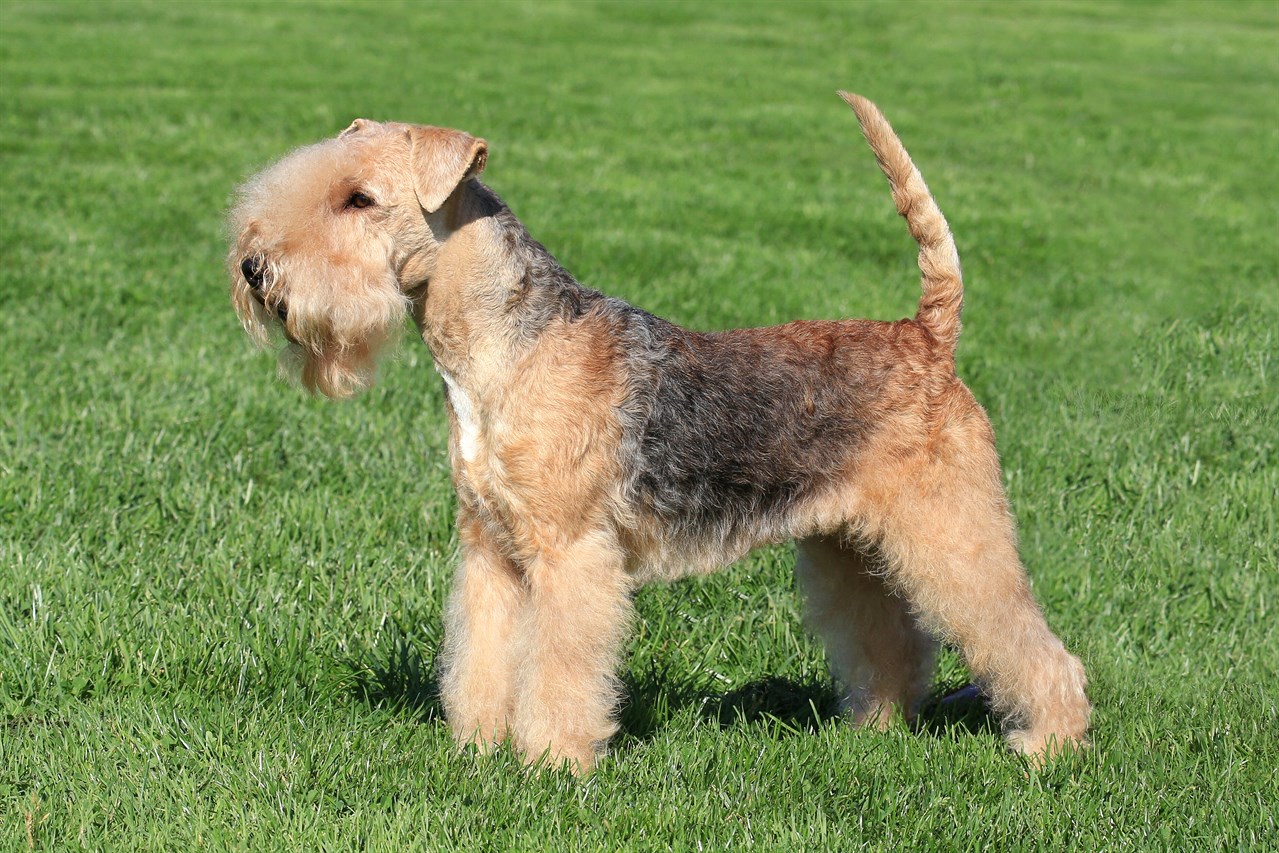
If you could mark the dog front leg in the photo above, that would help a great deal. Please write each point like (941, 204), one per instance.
(571, 635)
(478, 661)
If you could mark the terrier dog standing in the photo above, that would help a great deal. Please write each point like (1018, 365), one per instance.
(596, 447)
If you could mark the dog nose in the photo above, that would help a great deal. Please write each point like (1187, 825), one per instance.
(251, 268)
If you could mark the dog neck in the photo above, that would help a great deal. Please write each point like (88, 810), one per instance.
(494, 290)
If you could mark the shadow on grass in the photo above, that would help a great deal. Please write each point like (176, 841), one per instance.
(949, 708)
(655, 697)
(397, 677)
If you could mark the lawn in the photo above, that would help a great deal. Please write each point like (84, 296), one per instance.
(220, 599)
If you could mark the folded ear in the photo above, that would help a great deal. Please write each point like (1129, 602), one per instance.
(360, 125)
(443, 159)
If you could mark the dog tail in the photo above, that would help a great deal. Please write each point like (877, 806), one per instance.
(943, 284)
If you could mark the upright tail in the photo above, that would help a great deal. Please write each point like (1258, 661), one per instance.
(943, 298)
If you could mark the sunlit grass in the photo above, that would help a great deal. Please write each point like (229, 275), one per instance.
(220, 600)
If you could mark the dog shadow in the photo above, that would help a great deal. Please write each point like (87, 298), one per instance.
(961, 707)
(398, 677)
(654, 698)
(790, 706)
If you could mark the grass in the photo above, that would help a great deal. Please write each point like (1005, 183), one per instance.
(220, 600)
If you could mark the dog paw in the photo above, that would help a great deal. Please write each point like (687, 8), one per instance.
(1040, 748)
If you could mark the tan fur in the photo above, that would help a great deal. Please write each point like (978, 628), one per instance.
(938, 259)
(906, 537)
(877, 649)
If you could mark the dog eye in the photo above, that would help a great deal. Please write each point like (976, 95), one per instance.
(359, 200)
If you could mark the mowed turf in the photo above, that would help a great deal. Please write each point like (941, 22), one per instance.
(220, 599)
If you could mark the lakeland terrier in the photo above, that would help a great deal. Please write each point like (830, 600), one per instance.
(596, 447)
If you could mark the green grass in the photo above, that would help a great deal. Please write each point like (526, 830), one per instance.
(220, 600)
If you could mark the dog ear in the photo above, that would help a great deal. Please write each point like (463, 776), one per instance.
(358, 126)
(442, 160)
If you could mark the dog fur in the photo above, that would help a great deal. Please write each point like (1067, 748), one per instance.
(596, 447)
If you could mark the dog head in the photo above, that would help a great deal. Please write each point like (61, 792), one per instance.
(331, 244)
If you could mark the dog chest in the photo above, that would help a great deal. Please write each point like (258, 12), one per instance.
(467, 418)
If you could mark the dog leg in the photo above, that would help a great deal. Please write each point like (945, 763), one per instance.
(571, 635)
(478, 669)
(952, 552)
(879, 655)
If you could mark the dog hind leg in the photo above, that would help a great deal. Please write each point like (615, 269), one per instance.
(880, 656)
(952, 552)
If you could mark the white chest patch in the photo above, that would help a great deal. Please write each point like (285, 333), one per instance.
(467, 423)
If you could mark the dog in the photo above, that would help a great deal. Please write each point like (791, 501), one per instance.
(596, 447)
